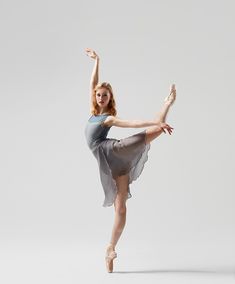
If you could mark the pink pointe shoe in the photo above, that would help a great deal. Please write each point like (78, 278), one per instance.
(109, 257)
(172, 96)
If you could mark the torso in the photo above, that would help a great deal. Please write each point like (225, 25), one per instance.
(96, 130)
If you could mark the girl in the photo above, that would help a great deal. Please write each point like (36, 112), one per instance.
(120, 161)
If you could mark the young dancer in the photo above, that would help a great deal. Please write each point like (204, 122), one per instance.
(120, 161)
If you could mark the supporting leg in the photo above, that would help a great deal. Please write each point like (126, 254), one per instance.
(120, 218)
(120, 208)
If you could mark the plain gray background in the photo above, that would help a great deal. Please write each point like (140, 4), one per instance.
(181, 215)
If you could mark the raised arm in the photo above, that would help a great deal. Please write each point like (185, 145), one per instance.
(95, 72)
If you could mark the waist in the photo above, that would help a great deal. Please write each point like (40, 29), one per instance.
(94, 144)
(97, 143)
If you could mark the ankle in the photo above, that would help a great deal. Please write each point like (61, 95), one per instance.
(111, 246)
(168, 104)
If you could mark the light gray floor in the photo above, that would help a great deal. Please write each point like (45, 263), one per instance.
(66, 261)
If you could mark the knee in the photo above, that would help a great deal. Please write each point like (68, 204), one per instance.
(152, 133)
(153, 130)
(158, 129)
(120, 209)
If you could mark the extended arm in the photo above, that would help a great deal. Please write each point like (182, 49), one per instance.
(115, 121)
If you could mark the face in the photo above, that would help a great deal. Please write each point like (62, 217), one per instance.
(102, 97)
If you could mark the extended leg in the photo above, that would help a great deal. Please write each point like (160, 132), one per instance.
(161, 116)
(154, 131)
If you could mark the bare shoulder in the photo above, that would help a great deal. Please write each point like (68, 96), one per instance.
(116, 121)
(109, 120)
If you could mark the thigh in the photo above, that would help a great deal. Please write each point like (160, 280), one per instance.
(122, 185)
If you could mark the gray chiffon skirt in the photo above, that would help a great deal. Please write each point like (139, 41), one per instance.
(120, 157)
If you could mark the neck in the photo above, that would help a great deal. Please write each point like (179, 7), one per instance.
(103, 111)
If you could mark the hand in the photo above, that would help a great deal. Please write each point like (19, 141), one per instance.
(91, 53)
(166, 126)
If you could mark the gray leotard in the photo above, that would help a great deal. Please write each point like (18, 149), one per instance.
(115, 157)
(96, 132)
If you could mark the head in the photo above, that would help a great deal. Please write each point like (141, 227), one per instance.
(103, 99)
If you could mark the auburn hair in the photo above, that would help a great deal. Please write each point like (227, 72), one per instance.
(111, 105)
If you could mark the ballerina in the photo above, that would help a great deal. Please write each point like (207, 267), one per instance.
(120, 161)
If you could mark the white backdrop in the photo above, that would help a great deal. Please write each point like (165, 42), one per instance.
(182, 205)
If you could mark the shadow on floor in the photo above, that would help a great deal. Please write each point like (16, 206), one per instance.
(214, 271)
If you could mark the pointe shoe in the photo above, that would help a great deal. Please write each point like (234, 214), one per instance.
(172, 96)
(109, 257)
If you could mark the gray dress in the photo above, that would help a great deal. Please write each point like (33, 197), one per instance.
(115, 157)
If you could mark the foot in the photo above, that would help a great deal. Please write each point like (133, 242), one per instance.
(172, 96)
(109, 257)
